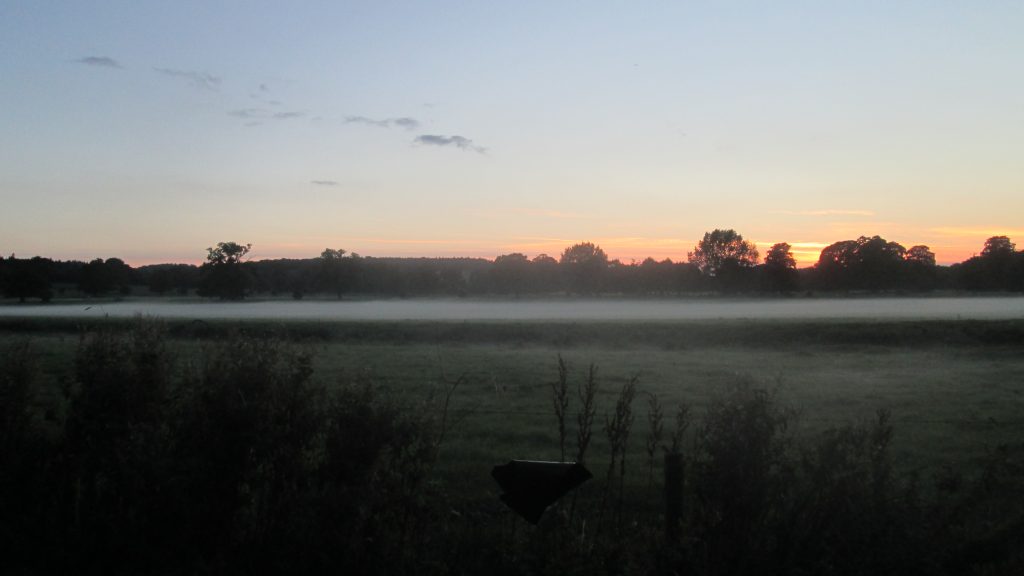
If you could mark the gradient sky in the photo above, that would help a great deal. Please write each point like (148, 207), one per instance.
(150, 131)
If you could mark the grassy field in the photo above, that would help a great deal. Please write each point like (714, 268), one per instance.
(955, 389)
(367, 447)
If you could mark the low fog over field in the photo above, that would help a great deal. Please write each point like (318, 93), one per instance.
(565, 310)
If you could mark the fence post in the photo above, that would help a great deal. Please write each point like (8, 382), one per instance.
(673, 495)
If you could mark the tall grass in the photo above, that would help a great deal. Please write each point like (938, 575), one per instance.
(238, 458)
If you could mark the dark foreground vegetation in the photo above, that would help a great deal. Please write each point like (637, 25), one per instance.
(164, 451)
(722, 262)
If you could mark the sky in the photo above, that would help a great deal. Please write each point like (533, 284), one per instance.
(149, 131)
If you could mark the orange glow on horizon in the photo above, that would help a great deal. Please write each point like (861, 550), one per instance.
(948, 249)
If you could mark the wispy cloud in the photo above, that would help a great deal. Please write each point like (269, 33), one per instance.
(195, 79)
(403, 122)
(249, 113)
(553, 214)
(456, 141)
(794, 245)
(824, 212)
(324, 182)
(264, 95)
(99, 61)
(965, 232)
(264, 114)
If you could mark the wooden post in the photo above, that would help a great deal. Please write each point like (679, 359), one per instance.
(673, 496)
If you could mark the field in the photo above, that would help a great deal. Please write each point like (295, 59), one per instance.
(368, 446)
(955, 389)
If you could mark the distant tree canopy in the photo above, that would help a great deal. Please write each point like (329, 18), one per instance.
(721, 262)
(1000, 267)
(101, 276)
(512, 274)
(998, 247)
(585, 266)
(26, 278)
(164, 278)
(722, 249)
(726, 259)
(336, 273)
(222, 276)
(779, 271)
(866, 264)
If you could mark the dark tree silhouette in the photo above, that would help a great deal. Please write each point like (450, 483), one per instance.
(163, 278)
(336, 272)
(880, 263)
(921, 273)
(656, 277)
(26, 278)
(511, 274)
(779, 271)
(999, 267)
(222, 276)
(862, 264)
(585, 265)
(545, 274)
(997, 246)
(921, 254)
(835, 266)
(99, 277)
(724, 257)
(723, 249)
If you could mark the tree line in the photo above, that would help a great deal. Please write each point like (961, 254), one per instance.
(721, 262)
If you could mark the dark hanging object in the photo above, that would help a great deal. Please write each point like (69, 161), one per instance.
(531, 486)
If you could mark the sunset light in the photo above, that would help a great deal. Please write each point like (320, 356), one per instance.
(147, 134)
(512, 287)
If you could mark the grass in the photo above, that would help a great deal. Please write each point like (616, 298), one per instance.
(955, 389)
(949, 403)
(246, 422)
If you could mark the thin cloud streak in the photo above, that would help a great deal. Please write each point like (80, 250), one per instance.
(444, 141)
(263, 114)
(552, 214)
(324, 182)
(957, 232)
(99, 62)
(824, 212)
(806, 245)
(195, 79)
(402, 122)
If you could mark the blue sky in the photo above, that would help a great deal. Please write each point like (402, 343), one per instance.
(150, 131)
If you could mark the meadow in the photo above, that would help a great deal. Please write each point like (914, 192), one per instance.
(952, 392)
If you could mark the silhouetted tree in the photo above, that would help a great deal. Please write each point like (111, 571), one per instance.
(862, 264)
(26, 278)
(163, 278)
(336, 273)
(836, 264)
(585, 266)
(511, 274)
(222, 276)
(880, 263)
(999, 267)
(726, 257)
(722, 248)
(99, 277)
(921, 254)
(998, 246)
(921, 273)
(779, 271)
(657, 277)
(545, 274)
